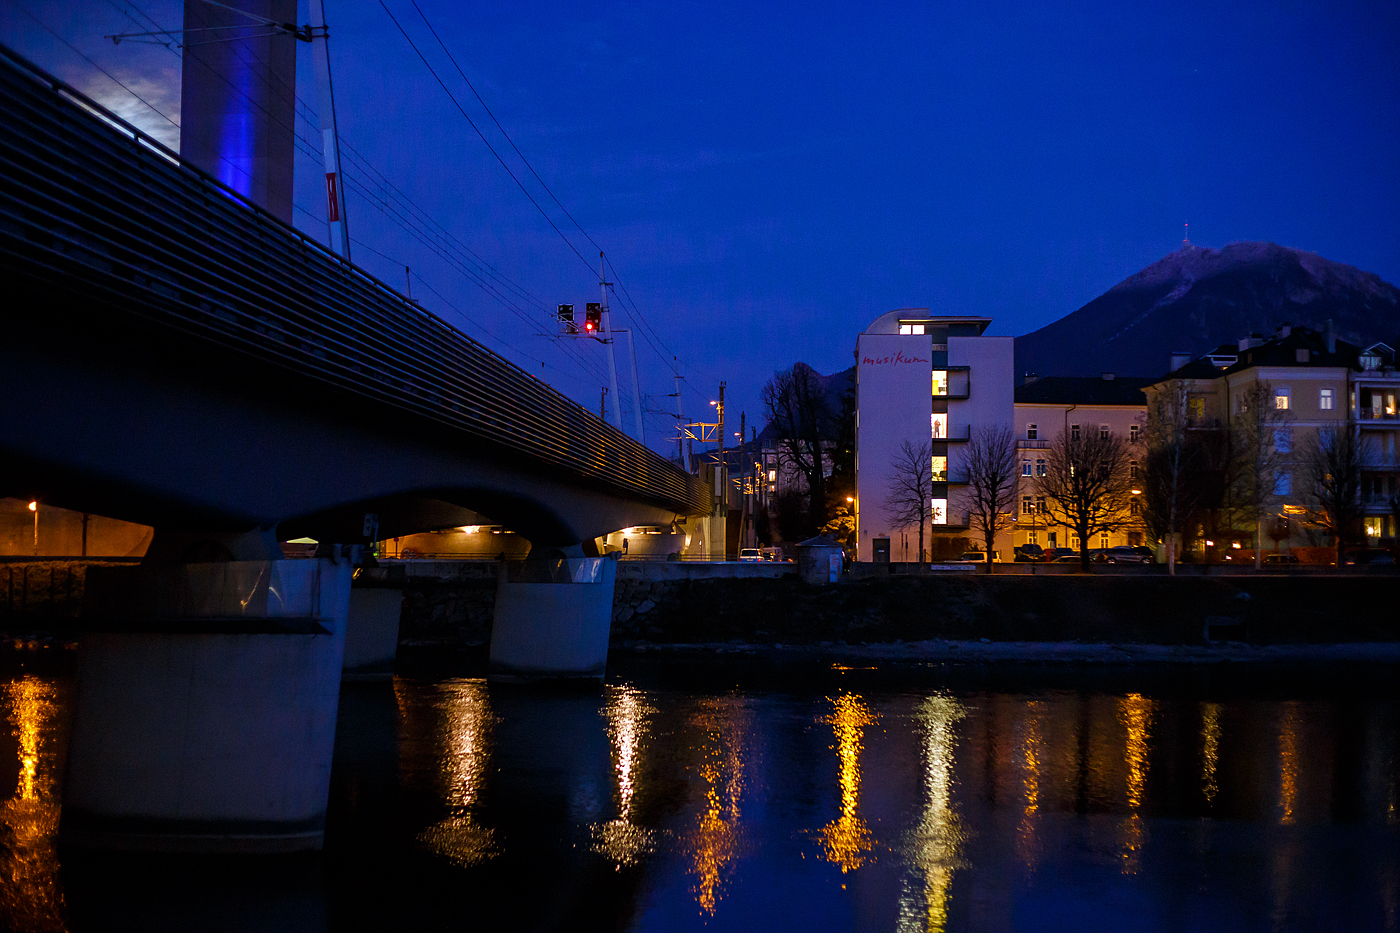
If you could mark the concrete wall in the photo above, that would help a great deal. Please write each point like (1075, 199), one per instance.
(61, 533)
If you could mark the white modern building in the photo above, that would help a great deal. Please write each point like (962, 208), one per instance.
(924, 377)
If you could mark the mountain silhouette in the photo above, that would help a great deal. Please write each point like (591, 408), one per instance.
(1195, 299)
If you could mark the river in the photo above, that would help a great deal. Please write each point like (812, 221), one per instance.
(808, 799)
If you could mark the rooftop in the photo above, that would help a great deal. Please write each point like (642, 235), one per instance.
(1108, 389)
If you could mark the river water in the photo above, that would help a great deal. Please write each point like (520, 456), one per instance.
(810, 799)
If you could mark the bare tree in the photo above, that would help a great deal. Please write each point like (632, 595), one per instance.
(1169, 496)
(1263, 440)
(1330, 465)
(795, 402)
(1087, 485)
(990, 461)
(907, 496)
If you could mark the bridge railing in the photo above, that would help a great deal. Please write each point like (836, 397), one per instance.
(115, 230)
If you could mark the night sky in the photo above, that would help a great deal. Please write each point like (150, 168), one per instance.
(769, 178)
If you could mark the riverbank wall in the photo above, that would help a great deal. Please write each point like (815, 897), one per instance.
(449, 605)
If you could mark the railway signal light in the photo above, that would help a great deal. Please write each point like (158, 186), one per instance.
(593, 317)
(566, 317)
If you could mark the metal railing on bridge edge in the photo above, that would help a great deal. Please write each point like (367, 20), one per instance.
(251, 285)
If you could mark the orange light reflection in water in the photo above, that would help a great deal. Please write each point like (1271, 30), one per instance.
(466, 761)
(1288, 765)
(716, 839)
(1210, 749)
(1135, 713)
(846, 841)
(1032, 755)
(30, 898)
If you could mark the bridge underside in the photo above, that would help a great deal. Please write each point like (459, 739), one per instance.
(99, 422)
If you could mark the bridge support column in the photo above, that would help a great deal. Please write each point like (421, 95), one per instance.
(372, 630)
(206, 706)
(552, 618)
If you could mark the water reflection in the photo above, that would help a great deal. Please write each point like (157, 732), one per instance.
(30, 897)
(846, 841)
(1032, 756)
(1288, 764)
(1135, 713)
(623, 840)
(931, 847)
(716, 839)
(1210, 750)
(467, 727)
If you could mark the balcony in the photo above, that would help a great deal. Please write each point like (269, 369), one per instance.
(1036, 444)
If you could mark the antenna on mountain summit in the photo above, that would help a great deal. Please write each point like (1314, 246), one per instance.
(1186, 239)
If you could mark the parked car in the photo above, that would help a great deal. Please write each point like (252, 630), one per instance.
(1126, 554)
(1058, 553)
(1065, 559)
(1280, 559)
(978, 556)
(1027, 553)
(750, 553)
(1369, 556)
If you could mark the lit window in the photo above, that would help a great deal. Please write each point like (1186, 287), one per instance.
(1040, 468)
(939, 422)
(1025, 468)
(772, 476)
(940, 382)
(1032, 432)
(1373, 526)
(1074, 432)
(1325, 399)
(1282, 395)
(1196, 409)
(908, 329)
(939, 511)
(940, 469)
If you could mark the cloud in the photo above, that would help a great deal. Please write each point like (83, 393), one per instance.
(150, 101)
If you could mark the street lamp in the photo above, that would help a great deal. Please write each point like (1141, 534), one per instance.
(34, 507)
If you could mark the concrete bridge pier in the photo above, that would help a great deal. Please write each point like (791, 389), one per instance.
(206, 705)
(553, 616)
(372, 629)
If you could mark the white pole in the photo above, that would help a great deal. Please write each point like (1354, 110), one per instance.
(608, 342)
(636, 389)
(330, 139)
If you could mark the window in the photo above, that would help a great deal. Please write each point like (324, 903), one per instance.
(772, 476)
(1074, 432)
(1132, 470)
(940, 382)
(1027, 507)
(1282, 397)
(1283, 484)
(939, 423)
(1134, 430)
(1196, 409)
(940, 469)
(939, 510)
(1103, 540)
(1103, 432)
(1032, 432)
(1025, 468)
(1040, 468)
(907, 329)
(1325, 399)
(1040, 504)
(1031, 538)
(1283, 440)
(1134, 507)
(1373, 526)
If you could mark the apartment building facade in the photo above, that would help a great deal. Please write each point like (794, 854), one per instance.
(922, 377)
(1069, 405)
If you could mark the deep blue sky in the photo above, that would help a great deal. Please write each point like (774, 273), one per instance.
(769, 178)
